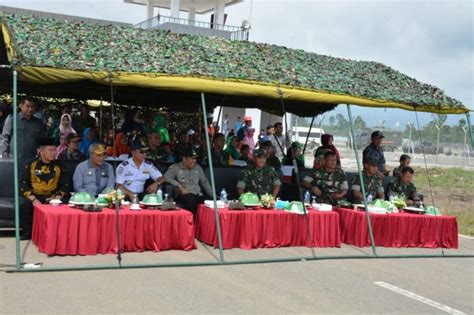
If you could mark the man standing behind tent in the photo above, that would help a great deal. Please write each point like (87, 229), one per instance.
(280, 141)
(374, 151)
(29, 130)
(242, 132)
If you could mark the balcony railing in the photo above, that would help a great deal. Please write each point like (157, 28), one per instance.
(184, 26)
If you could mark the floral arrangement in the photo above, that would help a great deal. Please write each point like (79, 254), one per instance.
(267, 201)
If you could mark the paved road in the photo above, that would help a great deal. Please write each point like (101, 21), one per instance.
(326, 286)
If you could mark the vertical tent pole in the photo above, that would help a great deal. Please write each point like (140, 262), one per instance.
(307, 136)
(468, 117)
(15, 171)
(213, 184)
(117, 202)
(361, 178)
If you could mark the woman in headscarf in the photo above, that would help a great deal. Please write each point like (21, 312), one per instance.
(231, 148)
(248, 140)
(326, 145)
(65, 126)
(88, 138)
(159, 126)
(62, 144)
(294, 153)
(121, 145)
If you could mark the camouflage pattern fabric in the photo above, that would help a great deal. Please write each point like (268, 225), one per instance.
(259, 181)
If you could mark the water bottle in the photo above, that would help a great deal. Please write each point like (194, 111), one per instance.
(370, 198)
(307, 197)
(224, 196)
(159, 192)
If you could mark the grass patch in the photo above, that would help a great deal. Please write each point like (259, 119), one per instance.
(465, 221)
(452, 178)
(453, 193)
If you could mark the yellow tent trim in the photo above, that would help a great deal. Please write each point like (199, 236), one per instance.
(43, 75)
(8, 42)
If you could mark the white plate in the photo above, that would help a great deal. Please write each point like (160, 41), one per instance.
(414, 209)
(151, 204)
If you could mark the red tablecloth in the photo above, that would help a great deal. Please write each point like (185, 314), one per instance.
(260, 228)
(68, 231)
(399, 229)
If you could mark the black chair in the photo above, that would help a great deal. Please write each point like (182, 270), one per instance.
(7, 193)
(226, 177)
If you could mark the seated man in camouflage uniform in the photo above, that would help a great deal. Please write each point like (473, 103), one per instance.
(372, 183)
(272, 160)
(402, 187)
(157, 153)
(329, 183)
(404, 162)
(259, 178)
(219, 156)
(42, 180)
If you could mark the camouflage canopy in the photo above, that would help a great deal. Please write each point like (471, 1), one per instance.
(155, 67)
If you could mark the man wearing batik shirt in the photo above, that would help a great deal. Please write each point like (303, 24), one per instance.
(42, 180)
(328, 184)
(372, 183)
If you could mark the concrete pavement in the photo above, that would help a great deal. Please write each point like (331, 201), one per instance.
(326, 286)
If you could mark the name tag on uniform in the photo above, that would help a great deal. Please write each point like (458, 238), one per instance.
(128, 174)
(146, 172)
(104, 174)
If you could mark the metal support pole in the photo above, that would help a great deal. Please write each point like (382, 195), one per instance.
(468, 117)
(15, 171)
(213, 184)
(307, 136)
(367, 215)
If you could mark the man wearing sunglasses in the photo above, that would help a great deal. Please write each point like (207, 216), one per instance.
(133, 173)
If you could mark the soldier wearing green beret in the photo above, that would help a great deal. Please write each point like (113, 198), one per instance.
(258, 177)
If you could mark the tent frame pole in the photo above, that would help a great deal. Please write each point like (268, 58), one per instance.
(236, 262)
(307, 136)
(15, 170)
(362, 186)
(468, 118)
(211, 173)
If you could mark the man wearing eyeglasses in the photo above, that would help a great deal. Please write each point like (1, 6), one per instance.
(133, 173)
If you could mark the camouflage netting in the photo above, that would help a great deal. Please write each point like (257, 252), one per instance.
(47, 42)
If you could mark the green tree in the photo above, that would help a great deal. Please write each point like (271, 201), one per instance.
(332, 121)
(359, 123)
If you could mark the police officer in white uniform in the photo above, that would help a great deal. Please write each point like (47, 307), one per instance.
(133, 173)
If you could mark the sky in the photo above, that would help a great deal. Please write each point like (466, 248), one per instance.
(432, 41)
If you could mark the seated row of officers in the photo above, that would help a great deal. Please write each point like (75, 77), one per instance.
(43, 179)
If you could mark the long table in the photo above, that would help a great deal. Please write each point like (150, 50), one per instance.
(398, 229)
(68, 231)
(261, 228)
